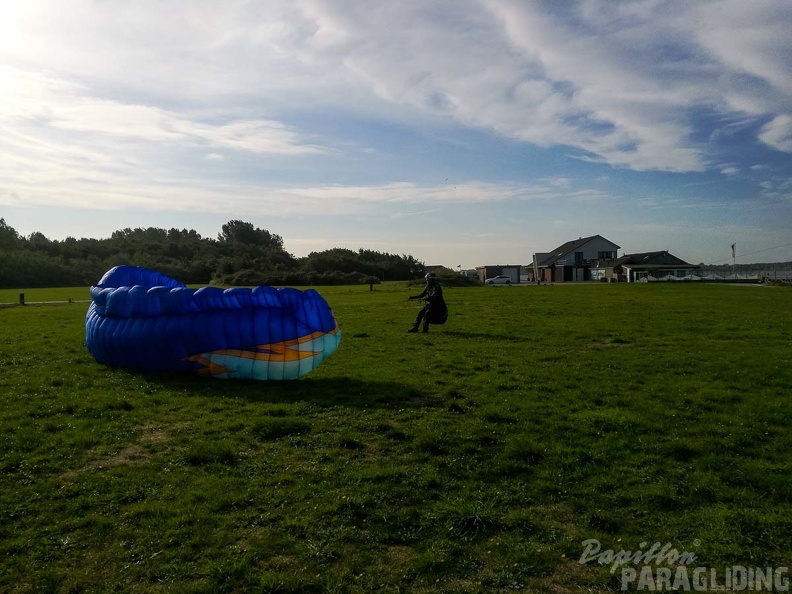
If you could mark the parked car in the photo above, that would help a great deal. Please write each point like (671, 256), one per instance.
(501, 279)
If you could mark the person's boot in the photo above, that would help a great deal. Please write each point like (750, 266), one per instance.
(413, 329)
(426, 328)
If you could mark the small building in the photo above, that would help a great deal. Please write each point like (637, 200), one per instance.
(527, 273)
(647, 265)
(572, 260)
(510, 270)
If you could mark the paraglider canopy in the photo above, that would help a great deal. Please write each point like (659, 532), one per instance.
(145, 320)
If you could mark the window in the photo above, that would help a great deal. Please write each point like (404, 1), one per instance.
(606, 255)
(578, 258)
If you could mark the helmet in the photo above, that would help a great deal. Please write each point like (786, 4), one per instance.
(429, 275)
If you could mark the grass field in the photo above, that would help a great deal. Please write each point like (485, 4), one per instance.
(476, 458)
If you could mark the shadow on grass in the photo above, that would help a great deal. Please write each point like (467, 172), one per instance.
(489, 336)
(325, 392)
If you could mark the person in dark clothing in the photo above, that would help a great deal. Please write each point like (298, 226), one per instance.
(435, 311)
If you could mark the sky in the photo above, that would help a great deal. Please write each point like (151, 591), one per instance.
(462, 132)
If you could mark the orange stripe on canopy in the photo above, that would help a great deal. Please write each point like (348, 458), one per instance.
(280, 352)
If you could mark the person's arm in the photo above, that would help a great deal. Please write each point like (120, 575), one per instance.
(421, 296)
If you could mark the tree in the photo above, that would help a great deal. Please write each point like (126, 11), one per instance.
(38, 241)
(241, 232)
(9, 238)
(36, 261)
(340, 259)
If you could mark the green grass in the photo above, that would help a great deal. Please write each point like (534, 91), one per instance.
(33, 295)
(476, 458)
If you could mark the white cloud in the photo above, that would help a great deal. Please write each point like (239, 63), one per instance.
(752, 39)
(49, 105)
(778, 133)
(620, 81)
(627, 112)
(616, 80)
(65, 148)
(119, 186)
(777, 189)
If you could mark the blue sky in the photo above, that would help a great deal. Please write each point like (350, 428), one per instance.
(462, 132)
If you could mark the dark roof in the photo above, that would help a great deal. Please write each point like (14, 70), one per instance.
(661, 258)
(568, 247)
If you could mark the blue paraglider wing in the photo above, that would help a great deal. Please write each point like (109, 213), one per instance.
(142, 319)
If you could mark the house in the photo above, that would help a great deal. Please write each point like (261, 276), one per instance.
(572, 260)
(647, 265)
(510, 270)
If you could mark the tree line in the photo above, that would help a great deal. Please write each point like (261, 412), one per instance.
(242, 254)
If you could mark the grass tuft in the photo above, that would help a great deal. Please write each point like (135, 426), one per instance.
(205, 453)
(277, 427)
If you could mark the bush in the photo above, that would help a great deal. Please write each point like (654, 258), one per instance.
(253, 278)
(458, 280)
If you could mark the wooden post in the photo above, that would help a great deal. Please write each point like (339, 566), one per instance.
(21, 299)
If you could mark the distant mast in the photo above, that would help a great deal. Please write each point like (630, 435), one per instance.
(734, 260)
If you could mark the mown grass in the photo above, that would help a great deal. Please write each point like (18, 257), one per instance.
(11, 296)
(476, 458)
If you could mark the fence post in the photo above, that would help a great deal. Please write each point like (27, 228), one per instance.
(21, 299)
